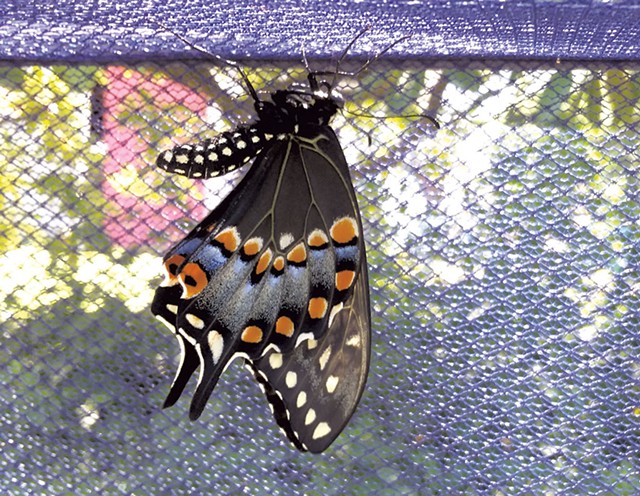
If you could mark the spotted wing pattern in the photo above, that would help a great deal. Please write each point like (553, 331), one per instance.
(276, 274)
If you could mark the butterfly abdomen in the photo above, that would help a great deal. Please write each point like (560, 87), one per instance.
(215, 157)
(233, 149)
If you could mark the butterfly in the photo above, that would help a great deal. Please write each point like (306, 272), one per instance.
(276, 274)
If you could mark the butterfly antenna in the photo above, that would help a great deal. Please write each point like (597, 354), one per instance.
(344, 53)
(304, 58)
(366, 65)
(231, 63)
(432, 120)
(311, 76)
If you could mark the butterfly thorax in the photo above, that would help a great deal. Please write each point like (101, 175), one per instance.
(295, 108)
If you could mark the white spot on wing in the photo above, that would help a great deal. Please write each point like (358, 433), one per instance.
(216, 345)
(354, 341)
(291, 379)
(201, 368)
(238, 354)
(275, 360)
(334, 311)
(324, 358)
(321, 430)
(196, 322)
(182, 159)
(172, 308)
(311, 416)
(305, 336)
(312, 344)
(264, 377)
(269, 347)
(183, 355)
(301, 400)
(166, 322)
(187, 337)
(285, 240)
(332, 383)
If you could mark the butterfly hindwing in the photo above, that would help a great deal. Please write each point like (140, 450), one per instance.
(315, 389)
(165, 307)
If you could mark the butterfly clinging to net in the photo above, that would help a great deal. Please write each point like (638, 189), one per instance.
(277, 273)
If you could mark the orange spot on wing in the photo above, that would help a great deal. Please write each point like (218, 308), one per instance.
(263, 261)
(298, 254)
(344, 279)
(284, 326)
(344, 230)
(252, 247)
(317, 307)
(229, 238)
(193, 280)
(171, 269)
(278, 264)
(317, 239)
(252, 334)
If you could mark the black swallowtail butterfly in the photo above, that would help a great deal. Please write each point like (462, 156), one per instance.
(277, 273)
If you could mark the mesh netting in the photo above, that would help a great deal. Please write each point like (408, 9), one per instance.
(503, 254)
